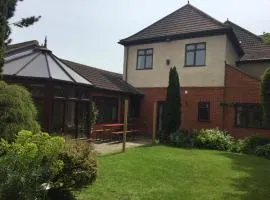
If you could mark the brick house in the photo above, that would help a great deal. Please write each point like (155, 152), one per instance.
(63, 90)
(219, 64)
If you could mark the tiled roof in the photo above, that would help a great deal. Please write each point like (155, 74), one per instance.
(22, 45)
(187, 19)
(102, 79)
(98, 78)
(253, 45)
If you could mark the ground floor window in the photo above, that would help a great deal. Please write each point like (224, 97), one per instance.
(204, 111)
(58, 116)
(107, 109)
(71, 118)
(249, 115)
(40, 111)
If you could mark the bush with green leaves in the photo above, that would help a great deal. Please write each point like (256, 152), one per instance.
(213, 139)
(184, 138)
(237, 146)
(29, 165)
(39, 166)
(263, 151)
(80, 168)
(17, 111)
(250, 143)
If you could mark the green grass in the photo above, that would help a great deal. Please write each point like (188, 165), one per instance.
(161, 172)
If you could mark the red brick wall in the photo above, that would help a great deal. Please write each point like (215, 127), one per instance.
(240, 88)
(214, 95)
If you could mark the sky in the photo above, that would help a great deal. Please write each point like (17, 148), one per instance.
(88, 31)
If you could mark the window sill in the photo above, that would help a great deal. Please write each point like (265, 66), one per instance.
(205, 121)
(194, 65)
(259, 128)
(145, 69)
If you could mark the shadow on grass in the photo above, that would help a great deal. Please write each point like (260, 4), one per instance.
(254, 181)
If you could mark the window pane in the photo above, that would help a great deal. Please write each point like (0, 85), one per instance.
(141, 52)
(58, 116)
(59, 91)
(141, 62)
(201, 46)
(204, 111)
(255, 116)
(83, 120)
(190, 58)
(190, 47)
(37, 90)
(148, 62)
(149, 52)
(200, 57)
(40, 112)
(107, 109)
(70, 126)
(241, 119)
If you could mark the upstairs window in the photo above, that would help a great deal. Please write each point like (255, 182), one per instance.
(145, 59)
(204, 111)
(195, 54)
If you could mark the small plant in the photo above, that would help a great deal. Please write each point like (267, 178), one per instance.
(237, 146)
(79, 170)
(184, 138)
(263, 151)
(250, 143)
(213, 139)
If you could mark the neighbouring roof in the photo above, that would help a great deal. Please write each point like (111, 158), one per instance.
(21, 45)
(30, 60)
(102, 79)
(188, 21)
(253, 45)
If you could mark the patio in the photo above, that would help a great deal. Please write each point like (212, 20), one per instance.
(116, 146)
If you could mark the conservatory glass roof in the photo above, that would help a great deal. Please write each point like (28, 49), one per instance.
(40, 63)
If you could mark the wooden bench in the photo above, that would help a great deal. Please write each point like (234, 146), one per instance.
(132, 129)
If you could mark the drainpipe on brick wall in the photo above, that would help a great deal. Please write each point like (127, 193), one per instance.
(224, 96)
(126, 64)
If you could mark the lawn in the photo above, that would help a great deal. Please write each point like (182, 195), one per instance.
(161, 172)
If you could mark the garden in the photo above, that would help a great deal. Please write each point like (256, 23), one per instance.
(164, 172)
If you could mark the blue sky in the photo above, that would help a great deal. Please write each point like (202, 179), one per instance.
(87, 31)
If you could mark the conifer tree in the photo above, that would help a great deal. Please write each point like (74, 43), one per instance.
(172, 111)
(7, 10)
(265, 97)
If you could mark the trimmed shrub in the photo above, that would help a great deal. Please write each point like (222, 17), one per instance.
(184, 138)
(263, 151)
(172, 107)
(213, 139)
(17, 111)
(80, 169)
(252, 142)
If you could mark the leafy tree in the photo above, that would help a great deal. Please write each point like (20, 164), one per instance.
(266, 38)
(172, 111)
(17, 111)
(265, 97)
(7, 10)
